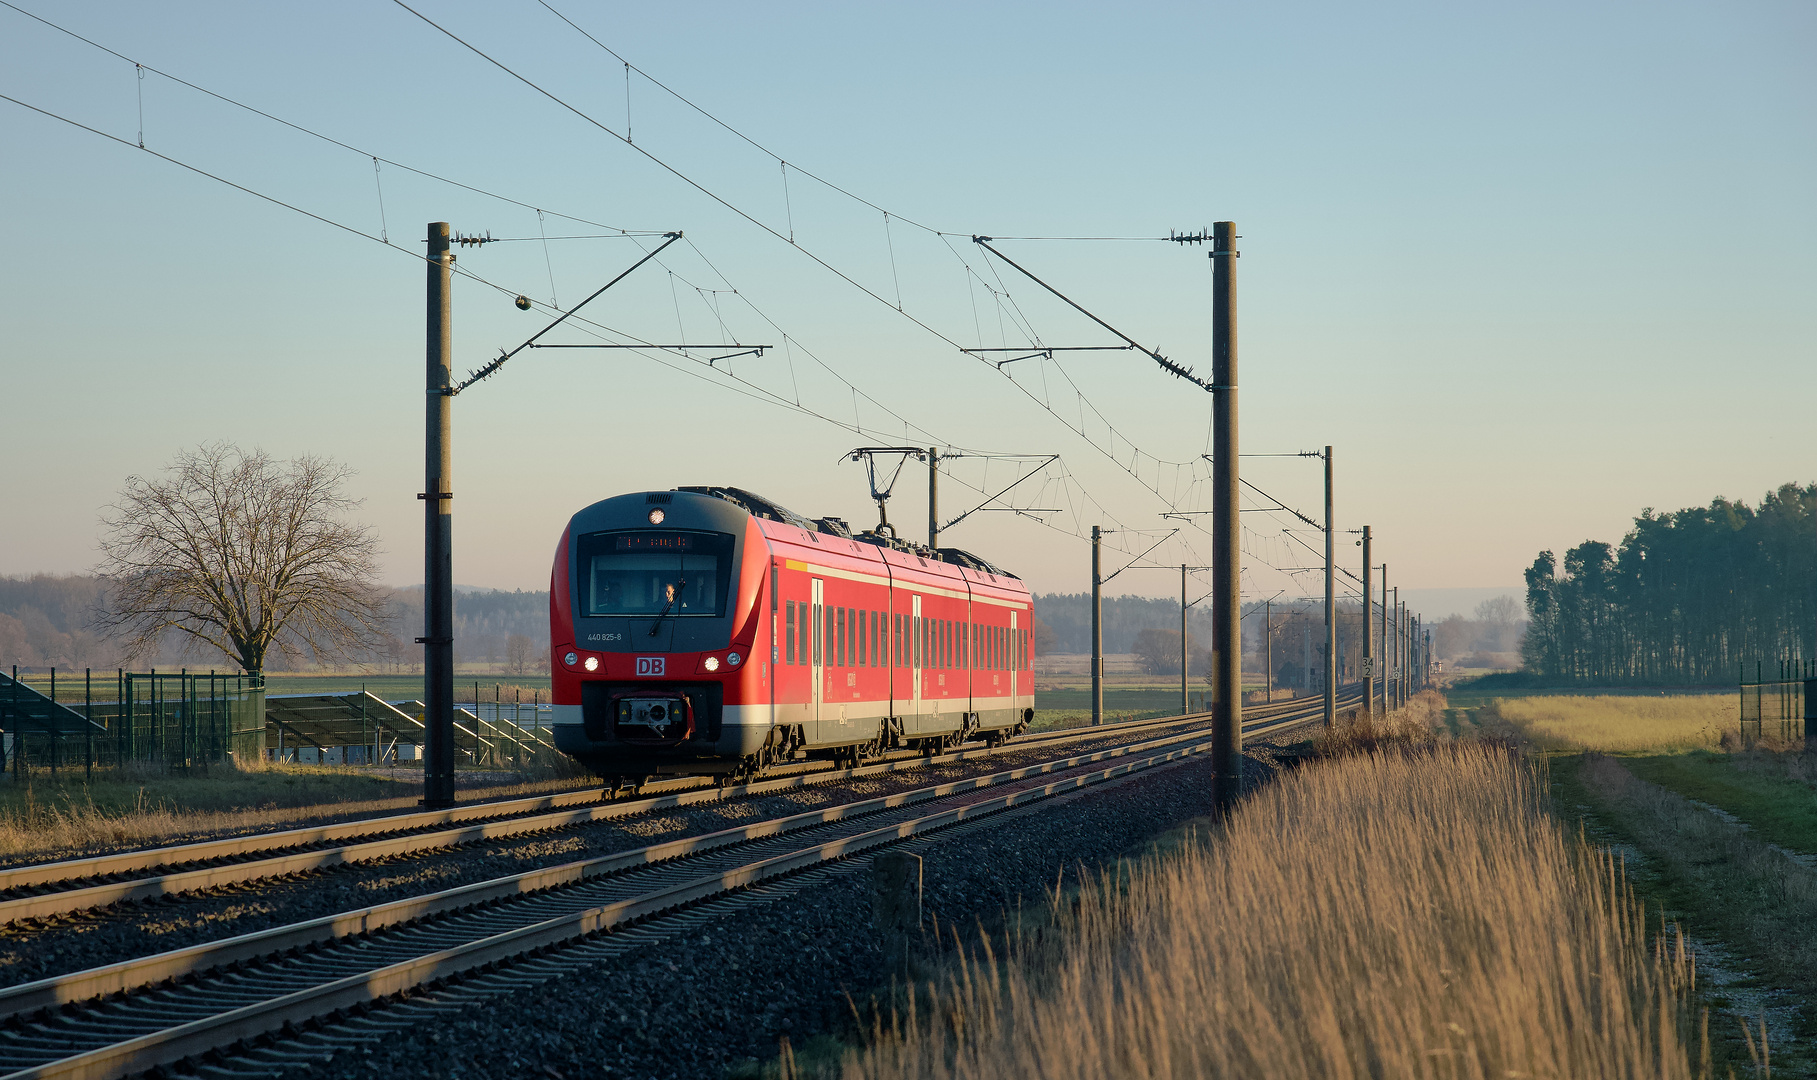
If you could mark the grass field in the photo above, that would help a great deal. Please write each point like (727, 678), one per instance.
(407, 687)
(1780, 809)
(1620, 723)
(1379, 915)
(1470, 694)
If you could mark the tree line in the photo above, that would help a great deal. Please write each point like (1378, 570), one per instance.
(49, 620)
(1691, 597)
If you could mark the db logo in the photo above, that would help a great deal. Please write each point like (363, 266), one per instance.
(650, 665)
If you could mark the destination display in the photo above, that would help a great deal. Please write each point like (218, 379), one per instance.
(642, 541)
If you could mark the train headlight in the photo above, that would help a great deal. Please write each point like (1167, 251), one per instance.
(571, 659)
(656, 515)
(711, 663)
(733, 658)
(592, 663)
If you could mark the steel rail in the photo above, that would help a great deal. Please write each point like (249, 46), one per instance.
(17, 877)
(127, 975)
(197, 1035)
(404, 833)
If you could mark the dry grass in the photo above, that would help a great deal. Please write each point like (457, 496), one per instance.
(144, 805)
(1405, 915)
(1616, 724)
(1412, 725)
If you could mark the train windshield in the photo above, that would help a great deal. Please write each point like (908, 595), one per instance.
(673, 573)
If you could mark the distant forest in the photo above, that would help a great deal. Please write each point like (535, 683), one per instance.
(1064, 621)
(1689, 597)
(45, 619)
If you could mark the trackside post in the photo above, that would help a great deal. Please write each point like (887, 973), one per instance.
(1227, 584)
(438, 513)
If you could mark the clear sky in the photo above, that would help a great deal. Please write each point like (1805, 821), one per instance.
(1529, 268)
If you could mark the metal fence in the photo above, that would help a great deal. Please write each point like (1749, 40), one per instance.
(183, 720)
(1776, 706)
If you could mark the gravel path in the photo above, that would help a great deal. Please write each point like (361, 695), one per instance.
(89, 939)
(711, 999)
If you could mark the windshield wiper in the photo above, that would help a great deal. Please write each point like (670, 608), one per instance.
(656, 626)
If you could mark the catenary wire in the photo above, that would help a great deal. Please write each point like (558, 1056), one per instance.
(1137, 453)
(294, 126)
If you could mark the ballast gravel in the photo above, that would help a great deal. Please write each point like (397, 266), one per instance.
(84, 940)
(711, 999)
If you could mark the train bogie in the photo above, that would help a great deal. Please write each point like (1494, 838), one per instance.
(710, 631)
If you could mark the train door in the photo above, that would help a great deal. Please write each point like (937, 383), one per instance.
(1013, 664)
(817, 658)
(915, 662)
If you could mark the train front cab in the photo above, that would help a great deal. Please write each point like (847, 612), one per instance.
(660, 592)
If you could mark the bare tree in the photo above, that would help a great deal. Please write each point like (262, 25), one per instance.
(244, 554)
(520, 653)
(1158, 651)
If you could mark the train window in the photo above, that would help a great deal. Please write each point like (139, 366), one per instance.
(896, 641)
(645, 573)
(789, 632)
(814, 634)
(864, 640)
(946, 643)
(839, 637)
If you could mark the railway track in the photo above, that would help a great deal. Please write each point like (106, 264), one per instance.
(511, 931)
(49, 890)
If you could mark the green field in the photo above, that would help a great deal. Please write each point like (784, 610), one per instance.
(1474, 693)
(406, 687)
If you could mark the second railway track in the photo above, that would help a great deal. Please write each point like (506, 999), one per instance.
(130, 1016)
(48, 890)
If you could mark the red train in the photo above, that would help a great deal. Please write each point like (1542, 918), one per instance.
(709, 630)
